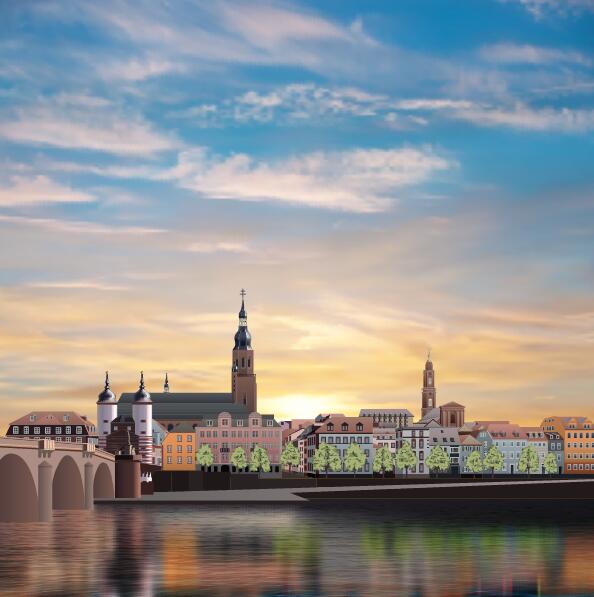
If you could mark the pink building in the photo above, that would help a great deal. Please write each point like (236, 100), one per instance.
(227, 432)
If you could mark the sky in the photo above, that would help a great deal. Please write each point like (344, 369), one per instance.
(382, 178)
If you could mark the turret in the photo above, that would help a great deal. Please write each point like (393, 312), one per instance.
(243, 378)
(107, 411)
(142, 412)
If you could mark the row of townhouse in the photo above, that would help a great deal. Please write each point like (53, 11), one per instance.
(577, 437)
(335, 430)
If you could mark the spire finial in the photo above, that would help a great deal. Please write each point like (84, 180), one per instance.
(142, 380)
(107, 380)
(429, 354)
(243, 293)
(166, 384)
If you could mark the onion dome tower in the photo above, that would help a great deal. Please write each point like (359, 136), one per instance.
(142, 413)
(107, 411)
(243, 378)
(428, 393)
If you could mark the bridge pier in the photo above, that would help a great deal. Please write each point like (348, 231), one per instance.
(89, 480)
(44, 491)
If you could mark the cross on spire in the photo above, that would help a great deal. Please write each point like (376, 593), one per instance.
(243, 293)
(429, 354)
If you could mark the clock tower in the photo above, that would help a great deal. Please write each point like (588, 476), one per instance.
(243, 378)
(428, 395)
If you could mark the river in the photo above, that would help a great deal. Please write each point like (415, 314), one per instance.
(356, 549)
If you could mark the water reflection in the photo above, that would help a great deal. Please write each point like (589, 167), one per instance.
(359, 550)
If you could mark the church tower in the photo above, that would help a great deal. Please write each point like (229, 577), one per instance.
(428, 395)
(243, 378)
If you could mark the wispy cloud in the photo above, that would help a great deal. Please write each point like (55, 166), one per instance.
(38, 189)
(83, 126)
(540, 7)
(79, 227)
(511, 53)
(360, 180)
(139, 69)
(218, 247)
(78, 285)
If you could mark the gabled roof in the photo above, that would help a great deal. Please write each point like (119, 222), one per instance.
(52, 417)
(453, 404)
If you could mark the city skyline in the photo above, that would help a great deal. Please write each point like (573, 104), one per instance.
(382, 179)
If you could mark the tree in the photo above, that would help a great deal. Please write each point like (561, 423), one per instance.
(290, 456)
(204, 456)
(474, 462)
(259, 460)
(354, 458)
(438, 459)
(239, 458)
(326, 458)
(382, 461)
(405, 457)
(550, 464)
(494, 460)
(528, 460)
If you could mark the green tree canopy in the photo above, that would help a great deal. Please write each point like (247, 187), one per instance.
(474, 462)
(204, 456)
(326, 458)
(494, 460)
(383, 461)
(438, 459)
(405, 457)
(528, 460)
(290, 456)
(239, 458)
(259, 460)
(550, 464)
(354, 458)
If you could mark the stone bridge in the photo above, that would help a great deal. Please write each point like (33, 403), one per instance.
(38, 476)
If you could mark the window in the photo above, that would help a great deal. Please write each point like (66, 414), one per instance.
(68, 440)
(188, 448)
(169, 459)
(179, 437)
(330, 427)
(15, 429)
(179, 448)
(37, 430)
(79, 440)
(59, 430)
(209, 423)
(255, 422)
(66, 418)
(78, 430)
(224, 421)
(269, 423)
(189, 460)
(359, 426)
(345, 427)
(330, 440)
(68, 429)
(31, 417)
(189, 438)
(179, 460)
(169, 449)
(240, 423)
(26, 429)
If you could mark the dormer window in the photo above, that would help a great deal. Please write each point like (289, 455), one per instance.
(345, 426)
(359, 427)
(330, 426)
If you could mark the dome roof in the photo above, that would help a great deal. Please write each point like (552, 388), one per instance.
(142, 396)
(106, 395)
(243, 338)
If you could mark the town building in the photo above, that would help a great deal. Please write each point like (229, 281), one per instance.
(179, 448)
(121, 436)
(578, 439)
(556, 447)
(226, 432)
(449, 440)
(340, 432)
(468, 445)
(60, 426)
(384, 436)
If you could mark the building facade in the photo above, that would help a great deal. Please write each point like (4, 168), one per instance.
(578, 439)
(556, 447)
(60, 426)
(391, 417)
(179, 448)
(226, 432)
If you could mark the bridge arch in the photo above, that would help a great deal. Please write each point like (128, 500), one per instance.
(103, 484)
(18, 496)
(67, 487)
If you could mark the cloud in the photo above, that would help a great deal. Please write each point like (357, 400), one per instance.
(78, 285)
(79, 227)
(219, 247)
(39, 189)
(86, 127)
(510, 53)
(523, 117)
(359, 180)
(539, 7)
(139, 69)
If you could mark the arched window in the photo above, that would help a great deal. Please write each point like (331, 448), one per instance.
(243, 361)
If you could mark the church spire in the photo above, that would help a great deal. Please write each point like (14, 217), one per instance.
(166, 384)
(243, 338)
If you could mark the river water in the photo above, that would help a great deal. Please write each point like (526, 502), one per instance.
(356, 549)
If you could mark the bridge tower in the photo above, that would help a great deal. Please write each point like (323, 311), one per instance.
(107, 411)
(142, 412)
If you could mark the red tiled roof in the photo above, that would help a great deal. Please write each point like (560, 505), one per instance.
(55, 417)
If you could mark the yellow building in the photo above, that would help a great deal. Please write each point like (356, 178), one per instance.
(179, 448)
(578, 442)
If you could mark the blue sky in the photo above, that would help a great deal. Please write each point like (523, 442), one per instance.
(381, 176)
